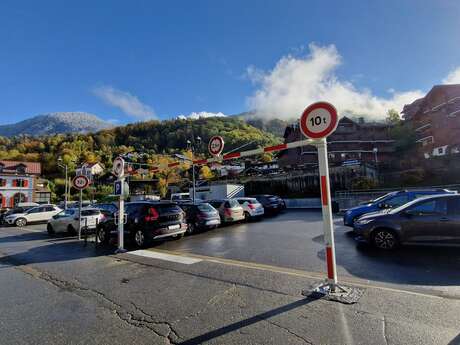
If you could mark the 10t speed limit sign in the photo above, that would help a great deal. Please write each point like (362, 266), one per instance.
(319, 120)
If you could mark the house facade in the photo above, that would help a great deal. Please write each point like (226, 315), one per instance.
(19, 182)
(90, 170)
(435, 119)
(354, 143)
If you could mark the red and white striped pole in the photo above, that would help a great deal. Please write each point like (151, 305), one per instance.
(327, 213)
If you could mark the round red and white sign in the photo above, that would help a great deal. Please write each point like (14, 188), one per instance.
(80, 182)
(216, 145)
(319, 120)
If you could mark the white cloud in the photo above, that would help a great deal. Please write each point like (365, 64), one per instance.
(296, 82)
(453, 77)
(128, 103)
(199, 115)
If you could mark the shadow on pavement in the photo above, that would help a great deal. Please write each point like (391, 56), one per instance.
(455, 341)
(55, 250)
(248, 322)
(23, 236)
(410, 264)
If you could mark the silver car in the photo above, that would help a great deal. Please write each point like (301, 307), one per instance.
(67, 220)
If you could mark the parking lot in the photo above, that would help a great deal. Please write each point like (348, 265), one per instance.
(294, 240)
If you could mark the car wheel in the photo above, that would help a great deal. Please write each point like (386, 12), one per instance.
(140, 239)
(385, 239)
(247, 216)
(71, 230)
(20, 222)
(103, 236)
(191, 228)
(50, 229)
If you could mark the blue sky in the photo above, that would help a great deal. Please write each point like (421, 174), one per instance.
(133, 60)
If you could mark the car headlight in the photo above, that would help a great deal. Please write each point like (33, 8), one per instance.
(363, 221)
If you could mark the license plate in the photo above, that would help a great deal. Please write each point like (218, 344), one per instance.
(88, 222)
(174, 227)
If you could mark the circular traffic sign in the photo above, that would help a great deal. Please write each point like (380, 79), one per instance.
(119, 166)
(80, 182)
(216, 145)
(319, 120)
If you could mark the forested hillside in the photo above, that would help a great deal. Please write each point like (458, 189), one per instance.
(151, 138)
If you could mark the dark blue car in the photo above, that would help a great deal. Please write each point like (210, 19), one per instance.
(387, 201)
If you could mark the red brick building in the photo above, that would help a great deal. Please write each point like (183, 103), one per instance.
(435, 119)
(353, 143)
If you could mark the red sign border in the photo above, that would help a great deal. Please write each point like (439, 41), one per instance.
(221, 147)
(87, 182)
(319, 105)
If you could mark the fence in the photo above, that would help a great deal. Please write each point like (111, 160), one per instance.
(350, 198)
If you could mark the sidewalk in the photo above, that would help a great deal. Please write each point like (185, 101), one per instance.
(206, 301)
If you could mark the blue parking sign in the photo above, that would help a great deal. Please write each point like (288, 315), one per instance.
(118, 186)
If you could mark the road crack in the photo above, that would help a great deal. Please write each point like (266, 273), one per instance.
(137, 318)
(306, 341)
(384, 325)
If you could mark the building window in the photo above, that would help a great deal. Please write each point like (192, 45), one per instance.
(17, 198)
(20, 183)
(2, 182)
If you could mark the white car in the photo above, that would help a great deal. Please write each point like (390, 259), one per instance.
(251, 207)
(41, 213)
(67, 220)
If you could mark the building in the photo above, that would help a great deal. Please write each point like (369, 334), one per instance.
(435, 119)
(20, 182)
(354, 143)
(90, 170)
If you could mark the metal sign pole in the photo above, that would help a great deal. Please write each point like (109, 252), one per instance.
(193, 181)
(79, 215)
(121, 217)
(327, 214)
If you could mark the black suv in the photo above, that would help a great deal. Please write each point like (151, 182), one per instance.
(146, 221)
(200, 215)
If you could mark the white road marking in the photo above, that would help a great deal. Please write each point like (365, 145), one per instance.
(167, 257)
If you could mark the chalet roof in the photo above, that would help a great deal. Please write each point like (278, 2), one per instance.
(33, 168)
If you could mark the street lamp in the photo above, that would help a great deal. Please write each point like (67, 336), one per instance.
(65, 167)
(185, 158)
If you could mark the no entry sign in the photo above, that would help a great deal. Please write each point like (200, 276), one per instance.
(216, 145)
(80, 182)
(319, 120)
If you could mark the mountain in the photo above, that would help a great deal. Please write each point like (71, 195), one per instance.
(268, 124)
(56, 123)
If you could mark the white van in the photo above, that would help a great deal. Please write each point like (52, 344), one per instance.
(180, 196)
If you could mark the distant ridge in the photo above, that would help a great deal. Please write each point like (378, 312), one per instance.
(56, 123)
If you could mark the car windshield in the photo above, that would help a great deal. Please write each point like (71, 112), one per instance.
(383, 197)
(90, 212)
(205, 207)
(233, 203)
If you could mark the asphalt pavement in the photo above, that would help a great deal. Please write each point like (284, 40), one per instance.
(56, 290)
(294, 239)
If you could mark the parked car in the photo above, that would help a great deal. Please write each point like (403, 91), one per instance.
(229, 210)
(432, 219)
(146, 221)
(181, 197)
(16, 210)
(108, 207)
(200, 215)
(67, 220)
(37, 214)
(252, 208)
(271, 203)
(388, 201)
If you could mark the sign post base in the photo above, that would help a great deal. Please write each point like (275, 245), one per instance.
(335, 292)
